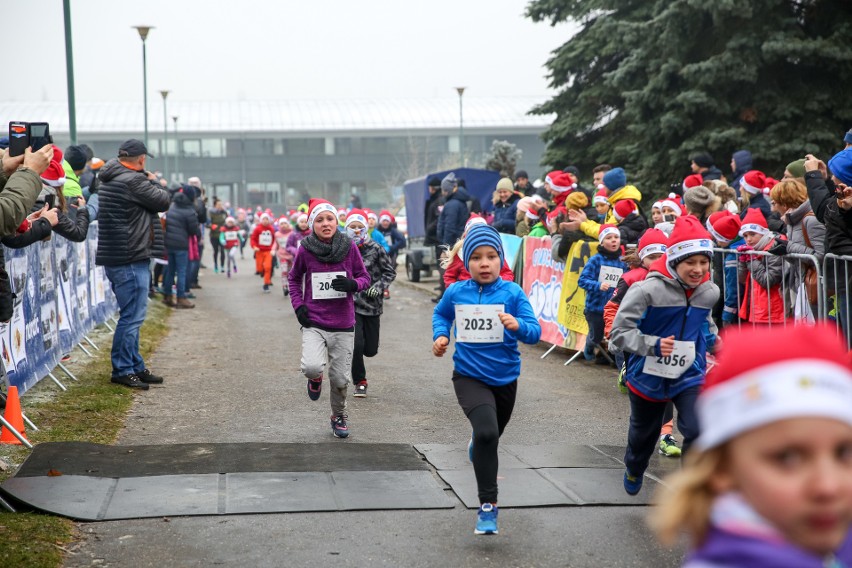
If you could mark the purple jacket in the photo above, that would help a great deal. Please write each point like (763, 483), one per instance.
(329, 314)
(293, 240)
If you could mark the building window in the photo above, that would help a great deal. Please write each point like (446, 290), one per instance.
(190, 148)
(453, 144)
(264, 193)
(304, 146)
(213, 147)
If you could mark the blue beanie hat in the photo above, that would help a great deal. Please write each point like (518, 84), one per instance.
(848, 138)
(841, 166)
(478, 235)
(615, 179)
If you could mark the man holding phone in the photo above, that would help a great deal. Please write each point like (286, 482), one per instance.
(129, 197)
(20, 185)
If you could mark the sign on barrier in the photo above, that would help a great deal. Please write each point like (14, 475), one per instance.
(60, 297)
(542, 283)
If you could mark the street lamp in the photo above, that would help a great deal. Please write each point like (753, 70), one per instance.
(69, 72)
(165, 135)
(460, 91)
(143, 33)
(177, 149)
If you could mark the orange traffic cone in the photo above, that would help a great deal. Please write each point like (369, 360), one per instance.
(13, 416)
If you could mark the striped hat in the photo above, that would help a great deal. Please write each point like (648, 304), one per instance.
(480, 234)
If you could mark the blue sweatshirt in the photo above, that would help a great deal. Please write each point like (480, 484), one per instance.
(596, 298)
(494, 364)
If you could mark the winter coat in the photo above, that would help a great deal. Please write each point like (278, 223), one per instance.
(798, 222)
(263, 237)
(596, 298)
(734, 291)
(743, 162)
(394, 238)
(72, 182)
(494, 364)
(295, 239)
(281, 251)
(712, 173)
(592, 228)
(181, 223)
(758, 202)
(230, 237)
(378, 237)
(631, 228)
(72, 224)
(456, 271)
(18, 194)
(382, 272)
(762, 301)
(431, 214)
(127, 199)
(335, 314)
(505, 213)
(158, 245)
(627, 280)
(539, 230)
(838, 227)
(453, 217)
(660, 306)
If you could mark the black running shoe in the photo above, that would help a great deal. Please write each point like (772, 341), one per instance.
(150, 378)
(131, 381)
(360, 390)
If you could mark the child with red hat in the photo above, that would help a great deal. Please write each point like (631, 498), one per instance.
(262, 241)
(665, 326)
(453, 265)
(285, 259)
(761, 301)
(770, 480)
(372, 222)
(598, 279)
(369, 303)
(631, 225)
(230, 238)
(393, 236)
(724, 227)
(326, 274)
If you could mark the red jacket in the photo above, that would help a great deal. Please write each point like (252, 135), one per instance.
(627, 280)
(232, 236)
(759, 304)
(456, 272)
(263, 237)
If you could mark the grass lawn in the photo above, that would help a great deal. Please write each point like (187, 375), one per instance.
(91, 410)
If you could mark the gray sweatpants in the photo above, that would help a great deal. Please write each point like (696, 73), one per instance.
(319, 346)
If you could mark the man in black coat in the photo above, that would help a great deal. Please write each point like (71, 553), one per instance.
(128, 197)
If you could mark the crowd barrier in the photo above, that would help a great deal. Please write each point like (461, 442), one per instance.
(60, 295)
(804, 290)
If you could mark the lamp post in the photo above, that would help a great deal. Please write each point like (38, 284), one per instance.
(177, 149)
(69, 72)
(143, 33)
(165, 136)
(460, 91)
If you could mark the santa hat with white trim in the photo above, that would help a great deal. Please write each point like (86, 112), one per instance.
(657, 205)
(754, 222)
(385, 215)
(371, 215)
(562, 183)
(693, 180)
(653, 241)
(673, 205)
(356, 215)
(600, 197)
(623, 209)
(750, 388)
(54, 175)
(607, 230)
(723, 226)
(753, 182)
(550, 176)
(317, 206)
(687, 239)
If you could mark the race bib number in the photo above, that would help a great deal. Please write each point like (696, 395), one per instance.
(321, 286)
(610, 274)
(264, 239)
(674, 365)
(231, 235)
(478, 323)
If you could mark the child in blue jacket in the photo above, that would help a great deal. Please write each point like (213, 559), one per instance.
(724, 227)
(598, 279)
(491, 315)
(665, 325)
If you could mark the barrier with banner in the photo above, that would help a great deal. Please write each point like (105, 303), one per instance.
(60, 297)
(542, 282)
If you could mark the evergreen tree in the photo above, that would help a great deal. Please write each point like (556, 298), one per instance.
(503, 157)
(648, 83)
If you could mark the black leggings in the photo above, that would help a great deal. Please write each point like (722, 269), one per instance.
(488, 409)
(366, 345)
(157, 274)
(218, 253)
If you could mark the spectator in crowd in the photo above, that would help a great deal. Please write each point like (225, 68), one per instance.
(631, 225)
(128, 197)
(761, 275)
(703, 163)
(530, 211)
(725, 194)
(201, 213)
(455, 213)
(700, 202)
(505, 207)
(751, 193)
(73, 165)
(159, 255)
(523, 186)
(795, 170)
(598, 174)
(741, 162)
(598, 279)
(181, 225)
(724, 227)
(602, 206)
(615, 183)
(574, 173)
(847, 139)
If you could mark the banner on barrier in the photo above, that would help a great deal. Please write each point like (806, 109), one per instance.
(511, 247)
(572, 303)
(542, 282)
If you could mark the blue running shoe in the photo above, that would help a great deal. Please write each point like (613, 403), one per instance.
(339, 427)
(470, 449)
(632, 483)
(315, 388)
(486, 520)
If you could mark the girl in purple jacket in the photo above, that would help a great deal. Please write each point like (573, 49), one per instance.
(327, 271)
(770, 480)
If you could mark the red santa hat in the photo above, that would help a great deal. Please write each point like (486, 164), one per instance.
(283, 221)
(230, 220)
(371, 214)
(600, 197)
(688, 238)
(474, 219)
(265, 217)
(657, 205)
(653, 241)
(674, 205)
(385, 215)
(341, 211)
(356, 215)
(750, 388)
(607, 230)
(54, 175)
(723, 226)
(302, 217)
(317, 206)
(753, 182)
(562, 183)
(623, 209)
(551, 176)
(693, 180)
(754, 222)
(770, 183)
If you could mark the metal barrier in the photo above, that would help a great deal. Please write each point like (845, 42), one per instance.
(835, 288)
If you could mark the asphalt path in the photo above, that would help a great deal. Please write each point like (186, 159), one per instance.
(232, 375)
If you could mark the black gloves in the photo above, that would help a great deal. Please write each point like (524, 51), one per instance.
(302, 316)
(344, 284)
(780, 248)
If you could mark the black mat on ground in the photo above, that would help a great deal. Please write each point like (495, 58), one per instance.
(660, 466)
(82, 458)
(515, 456)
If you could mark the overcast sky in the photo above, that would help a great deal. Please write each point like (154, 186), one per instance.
(285, 49)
